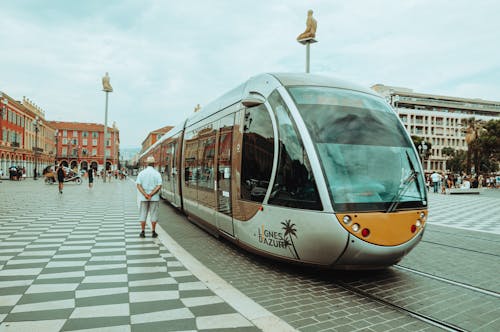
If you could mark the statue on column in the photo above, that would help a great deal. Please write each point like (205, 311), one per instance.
(106, 86)
(311, 26)
(197, 108)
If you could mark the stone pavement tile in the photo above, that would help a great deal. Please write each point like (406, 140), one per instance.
(170, 315)
(39, 315)
(157, 281)
(152, 288)
(153, 296)
(57, 280)
(96, 322)
(175, 325)
(222, 321)
(41, 297)
(104, 310)
(44, 305)
(201, 301)
(38, 325)
(102, 299)
(13, 287)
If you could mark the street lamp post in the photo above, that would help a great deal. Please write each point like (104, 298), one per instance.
(36, 126)
(422, 151)
(79, 162)
(56, 134)
(106, 87)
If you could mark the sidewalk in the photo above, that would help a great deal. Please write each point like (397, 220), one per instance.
(75, 261)
(470, 212)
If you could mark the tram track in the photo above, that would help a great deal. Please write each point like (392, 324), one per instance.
(422, 317)
(449, 281)
(352, 285)
(460, 248)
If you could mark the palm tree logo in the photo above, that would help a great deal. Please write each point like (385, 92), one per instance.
(290, 231)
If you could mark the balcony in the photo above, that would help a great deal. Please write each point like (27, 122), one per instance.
(14, 144)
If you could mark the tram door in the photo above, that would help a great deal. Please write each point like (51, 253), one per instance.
(176, 199)
(224, 215)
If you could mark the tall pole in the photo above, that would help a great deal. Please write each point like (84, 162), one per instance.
(36, 149)
(308, 57)
(56, 134)
(105, 135)
(106, 87)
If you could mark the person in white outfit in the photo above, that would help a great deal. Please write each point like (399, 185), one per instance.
(149, 185)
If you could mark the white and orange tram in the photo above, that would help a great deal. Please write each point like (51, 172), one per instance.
(301, 168)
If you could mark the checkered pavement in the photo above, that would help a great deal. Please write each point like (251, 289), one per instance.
(471, 212)
(74, 261)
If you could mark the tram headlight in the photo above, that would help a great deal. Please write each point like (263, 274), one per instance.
(418, 223)
(355, 227)
(346, 219)
(422, 215)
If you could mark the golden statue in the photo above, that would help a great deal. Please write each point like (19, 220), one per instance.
(197, 108)
(311, 26)
(106, 86)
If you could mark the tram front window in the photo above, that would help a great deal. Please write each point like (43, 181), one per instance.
(367, 158)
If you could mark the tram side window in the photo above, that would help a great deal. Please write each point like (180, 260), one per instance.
(190, 161)
(257, 154)
(206, 154)
(168, 160)
(294, 185)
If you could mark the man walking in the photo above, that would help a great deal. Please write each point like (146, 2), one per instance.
(435, 178)
(149, 184)
(90, 174)
(61, 174)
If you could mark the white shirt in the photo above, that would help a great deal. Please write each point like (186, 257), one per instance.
(435, 177)
(149, 179)
(466, 185)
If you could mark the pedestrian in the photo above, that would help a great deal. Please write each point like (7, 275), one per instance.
(61, 174)
(149, 185)
(1, 175)
(436, 178)
(90, 174)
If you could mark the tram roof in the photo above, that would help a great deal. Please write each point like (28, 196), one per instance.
(235, 95)
(286, 79)
(300, 79)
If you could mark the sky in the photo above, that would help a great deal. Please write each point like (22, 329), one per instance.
(165, 57)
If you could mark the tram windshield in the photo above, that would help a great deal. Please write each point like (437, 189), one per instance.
(367, 158)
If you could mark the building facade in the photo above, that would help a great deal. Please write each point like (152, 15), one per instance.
(81, 145)
(437, 119)
(26, 140)
(154, 136)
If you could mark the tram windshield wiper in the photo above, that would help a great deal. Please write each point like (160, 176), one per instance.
(405, 184)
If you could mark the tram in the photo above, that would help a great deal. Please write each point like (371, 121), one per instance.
(301, 168)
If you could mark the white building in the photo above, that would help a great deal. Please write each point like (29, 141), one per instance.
(437, 119)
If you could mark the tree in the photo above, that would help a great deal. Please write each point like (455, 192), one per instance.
(457, 161)
(417, 140)
(448, 153)
(488, 143)
(473, 130)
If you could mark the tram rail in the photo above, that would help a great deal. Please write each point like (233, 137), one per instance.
(422, 317)
(460, 248)
(449, 281)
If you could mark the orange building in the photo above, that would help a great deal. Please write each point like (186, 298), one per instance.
(154, 136)
(26, 141)
(81, 145)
